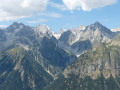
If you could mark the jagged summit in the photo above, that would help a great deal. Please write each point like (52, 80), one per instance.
(15, 26)
(43, 28)
(43, 25)
(15, 23)
(98, 27)
(81, 27)
(95, 26)
(97, 23)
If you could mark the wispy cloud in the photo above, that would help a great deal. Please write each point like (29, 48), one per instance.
(37, 21)
(87, 5)
(51, 14)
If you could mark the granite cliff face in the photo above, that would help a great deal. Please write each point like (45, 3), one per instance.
(101, 59)
(116, 40)
(96, 32)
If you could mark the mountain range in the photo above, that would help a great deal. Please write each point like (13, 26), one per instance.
(36, 58)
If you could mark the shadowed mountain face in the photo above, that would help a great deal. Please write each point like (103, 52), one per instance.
(2, 39)
(67, 37)
(82, 44)
(51, 51)
(2, 36)
(19, 70)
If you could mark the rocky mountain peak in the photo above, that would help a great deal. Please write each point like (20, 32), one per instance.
(81, 27)
(97, 23)
(15, 23)
(95, 26)
(98, 27)
(44, 29)
(15, 26)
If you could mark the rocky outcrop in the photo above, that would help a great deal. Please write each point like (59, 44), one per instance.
(93, 33)
(116, 40)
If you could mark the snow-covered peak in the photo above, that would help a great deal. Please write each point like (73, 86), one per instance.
(116, 29)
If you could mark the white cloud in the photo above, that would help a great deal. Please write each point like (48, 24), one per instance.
(3, 26)
(15, 9)
(59, 6)
(87, 5)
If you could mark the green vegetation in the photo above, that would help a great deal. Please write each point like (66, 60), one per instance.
(19, 71)
(76, 83)
(107, 56)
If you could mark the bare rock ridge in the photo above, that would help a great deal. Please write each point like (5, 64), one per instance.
(95, 33)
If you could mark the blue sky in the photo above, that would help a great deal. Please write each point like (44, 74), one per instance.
(60, 13)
